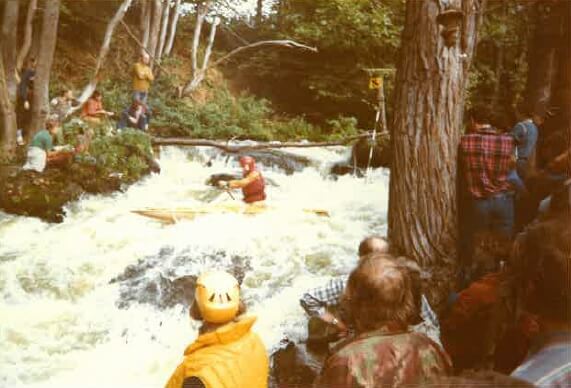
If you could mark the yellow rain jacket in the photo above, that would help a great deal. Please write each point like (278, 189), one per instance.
(230, 357)
(142, 77)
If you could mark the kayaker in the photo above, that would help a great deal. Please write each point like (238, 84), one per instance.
(252, 183)
(226, 353)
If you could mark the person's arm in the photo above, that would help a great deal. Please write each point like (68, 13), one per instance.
(238, 184)
(150, 76)
(139, 71)
(518, 133)
(316, 301)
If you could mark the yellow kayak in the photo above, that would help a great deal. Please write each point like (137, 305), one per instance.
(172, 215)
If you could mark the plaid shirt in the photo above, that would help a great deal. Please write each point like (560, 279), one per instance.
(316, 301)
(487, 158)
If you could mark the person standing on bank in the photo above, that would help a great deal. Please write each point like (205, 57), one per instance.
(525, 134)
(142, 78)
(252, 183)
(486, 157)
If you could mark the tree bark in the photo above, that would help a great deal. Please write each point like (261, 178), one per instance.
(164, 29)
(7, 117)
(259, 12)
(28, 29)
(119, 14)
(428, 109)
(48, 38)
(155, 27)
(145, 21)
(9, 45)
(542, 54)
(200, 16)
(172, 29)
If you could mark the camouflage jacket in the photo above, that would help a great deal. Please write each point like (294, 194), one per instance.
(384, 358)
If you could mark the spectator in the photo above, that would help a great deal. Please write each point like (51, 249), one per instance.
(135, 117)
(486, 159)
(226, 353)
(61, 105)
(142, 78)
(323, 302)
(40, 149)
(25, 90)
(380, 299)
(93, 111)
(525, 134)
(541, 260)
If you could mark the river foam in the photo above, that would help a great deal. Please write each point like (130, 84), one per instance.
(60, 324)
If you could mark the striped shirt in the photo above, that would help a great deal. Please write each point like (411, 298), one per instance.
(549, 362)
(488, 158)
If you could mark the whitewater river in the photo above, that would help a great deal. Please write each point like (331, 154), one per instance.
(63, 323)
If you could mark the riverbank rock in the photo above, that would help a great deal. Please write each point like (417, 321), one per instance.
(381, 156)
(157, 279)
(44, 195)
(295, 365)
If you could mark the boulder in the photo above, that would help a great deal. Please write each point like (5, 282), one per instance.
(381, 156)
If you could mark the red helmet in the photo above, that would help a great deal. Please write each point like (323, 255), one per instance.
(248, 161)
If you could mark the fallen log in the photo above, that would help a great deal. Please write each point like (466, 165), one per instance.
(235, 148)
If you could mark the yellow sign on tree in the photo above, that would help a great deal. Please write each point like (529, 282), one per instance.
(375, 82)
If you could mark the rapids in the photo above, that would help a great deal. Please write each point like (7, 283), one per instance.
(64, 324)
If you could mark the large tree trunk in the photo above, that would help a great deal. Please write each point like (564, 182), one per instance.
(155, 27)
(164, 29)
(428, 109)
(48, 38)
(542, 53)
(7, 117)
(28, 29)
(90, 88)
(9, 45)
(172, 29)
(259, 12)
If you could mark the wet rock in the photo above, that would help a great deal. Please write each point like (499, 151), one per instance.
(345, 168)
(295, 365)
(215, 178)
(154, 280)
(381, 156)
(282, 160)
(44, 195)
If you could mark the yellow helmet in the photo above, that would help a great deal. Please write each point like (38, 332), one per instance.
(217, 296)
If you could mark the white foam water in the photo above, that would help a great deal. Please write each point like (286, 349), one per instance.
(60, 324)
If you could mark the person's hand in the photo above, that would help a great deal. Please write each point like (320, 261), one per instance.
(332, 320)
(222, 184)
(26, 105)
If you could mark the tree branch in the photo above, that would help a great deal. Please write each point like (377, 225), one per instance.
(27, 43)
(283, 43)
(88, 90)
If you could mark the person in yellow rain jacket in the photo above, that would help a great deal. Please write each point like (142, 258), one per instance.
(142, 78)
(226, 354)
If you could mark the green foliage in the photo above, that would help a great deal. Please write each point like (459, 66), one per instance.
(122, 153)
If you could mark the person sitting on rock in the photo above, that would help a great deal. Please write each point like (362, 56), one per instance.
(41, 146)
(226, 353)
(320, 302)
(93, 111)
(135, 117)
(384, 353)
(252, 183)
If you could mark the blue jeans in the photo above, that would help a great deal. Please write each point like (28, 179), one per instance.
(494, 213)
(141, 96)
